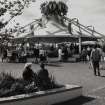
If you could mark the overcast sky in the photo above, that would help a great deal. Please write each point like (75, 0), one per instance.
(89, 12)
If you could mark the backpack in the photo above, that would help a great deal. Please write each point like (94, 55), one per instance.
(96, 55)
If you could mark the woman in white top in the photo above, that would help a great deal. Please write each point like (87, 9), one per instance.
(60, 54)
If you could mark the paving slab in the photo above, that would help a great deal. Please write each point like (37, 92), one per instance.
(68, 73)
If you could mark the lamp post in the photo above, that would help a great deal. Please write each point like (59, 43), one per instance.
(91, 29)
(70, 25)
(80, 32)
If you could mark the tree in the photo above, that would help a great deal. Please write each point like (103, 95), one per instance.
(11, 9)
(54, 8)
(62, 8)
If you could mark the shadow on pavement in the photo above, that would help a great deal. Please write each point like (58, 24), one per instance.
(55, 64)
(77, 101)
(102, 76)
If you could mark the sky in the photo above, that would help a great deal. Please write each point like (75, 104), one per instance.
(89, 12)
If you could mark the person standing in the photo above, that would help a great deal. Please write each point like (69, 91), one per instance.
(65, 53)
(100, 50)
(36, 54)
(84, 55)
(96, 57)
(4, 54)
(60, 54)
(88, 52)
(43, 55)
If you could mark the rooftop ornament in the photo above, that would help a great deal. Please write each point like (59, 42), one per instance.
(54, 9)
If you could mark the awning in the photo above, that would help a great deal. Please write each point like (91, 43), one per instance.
(54, 39)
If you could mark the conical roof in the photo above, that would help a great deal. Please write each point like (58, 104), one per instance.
(53, 28)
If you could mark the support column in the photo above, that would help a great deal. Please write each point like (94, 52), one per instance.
(80, 45)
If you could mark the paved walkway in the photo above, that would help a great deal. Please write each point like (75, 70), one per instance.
(70, 73)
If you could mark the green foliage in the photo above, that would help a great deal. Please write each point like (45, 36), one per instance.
(54, 8)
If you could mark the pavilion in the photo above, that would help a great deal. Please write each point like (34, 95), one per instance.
(54, 31)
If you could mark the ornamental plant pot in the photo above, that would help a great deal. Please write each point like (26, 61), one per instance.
(48, 97)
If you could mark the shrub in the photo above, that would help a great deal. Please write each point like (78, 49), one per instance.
(6, 80)
(10, 86)
(17, 88)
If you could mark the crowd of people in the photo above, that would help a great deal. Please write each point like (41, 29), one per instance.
(86, 53)
(94, 55)
(42, 79)
(21, 55)
(40, 53)
(63, 52)
(89, 54)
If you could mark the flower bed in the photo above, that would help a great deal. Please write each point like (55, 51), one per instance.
(17, 92)
(10, 86)
(48, 97)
